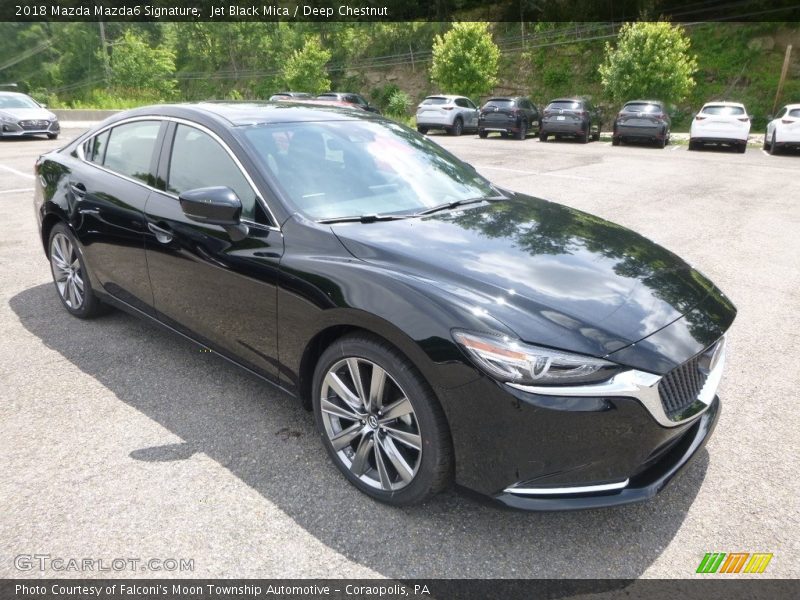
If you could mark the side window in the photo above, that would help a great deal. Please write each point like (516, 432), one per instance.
(94, 149)
(198, 161)
(471, 104)
(461, 102)
(781, 113)
(129, 149)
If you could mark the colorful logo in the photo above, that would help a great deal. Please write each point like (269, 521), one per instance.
(735, 562)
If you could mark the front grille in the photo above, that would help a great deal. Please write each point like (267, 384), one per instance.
(680, 387)
(34, 124)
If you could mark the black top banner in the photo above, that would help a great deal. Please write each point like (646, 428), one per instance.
(399, 10)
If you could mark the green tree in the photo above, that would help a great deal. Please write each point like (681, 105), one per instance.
(137, 66)
(651, 60)
(465, 60)
(398, 104)
(305, 69)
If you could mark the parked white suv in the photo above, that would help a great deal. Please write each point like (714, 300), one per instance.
(720, 123)
(455, 114)
(783, 130)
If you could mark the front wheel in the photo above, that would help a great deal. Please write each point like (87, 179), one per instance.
(422, 130)
(380, 421)
(52, 136)
(70, 276)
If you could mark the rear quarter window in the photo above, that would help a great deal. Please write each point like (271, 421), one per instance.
(795, 112)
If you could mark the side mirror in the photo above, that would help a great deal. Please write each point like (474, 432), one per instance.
(215, 206)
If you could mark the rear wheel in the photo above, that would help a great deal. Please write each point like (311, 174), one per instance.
(692, 144)
(522, 133)
(662, 143)
(458, 127)
(586, 134)
(422, 130)
(773, 146)
(69, 275)
(380, 422)
(765, 145)
(741, 148)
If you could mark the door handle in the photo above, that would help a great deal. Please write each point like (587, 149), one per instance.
(162, 235)
(78, 189)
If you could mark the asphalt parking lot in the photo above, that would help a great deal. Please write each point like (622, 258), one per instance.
(122, 441)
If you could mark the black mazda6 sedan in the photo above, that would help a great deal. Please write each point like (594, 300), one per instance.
(441, 329)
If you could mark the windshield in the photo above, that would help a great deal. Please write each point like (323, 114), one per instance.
(338, 169)
(723, 110)
(641, 107)
(17, 102)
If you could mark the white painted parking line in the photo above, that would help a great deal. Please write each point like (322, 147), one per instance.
(19, 190)
(523, 172)
(15, 172)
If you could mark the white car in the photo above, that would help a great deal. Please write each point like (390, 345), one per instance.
(454, 114)
(783, 130)
(720, 123)
(22, 116)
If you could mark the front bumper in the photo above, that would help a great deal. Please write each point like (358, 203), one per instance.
(8, 129)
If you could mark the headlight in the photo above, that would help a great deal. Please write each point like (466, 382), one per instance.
(510, 360)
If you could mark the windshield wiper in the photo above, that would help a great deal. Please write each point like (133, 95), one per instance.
(363, 218)
(457, 203)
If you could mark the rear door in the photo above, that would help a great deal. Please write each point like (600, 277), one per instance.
(468, 112)
(217, 290)
(111, 188)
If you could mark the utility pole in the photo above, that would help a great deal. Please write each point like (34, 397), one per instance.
(104, 51)
(784, 71)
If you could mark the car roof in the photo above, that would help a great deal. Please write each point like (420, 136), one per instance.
(506, 98)
(574, 99)
(13, 94)
(448, 96)
(250, 113)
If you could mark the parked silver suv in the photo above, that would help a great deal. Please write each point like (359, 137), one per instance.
(454, 114)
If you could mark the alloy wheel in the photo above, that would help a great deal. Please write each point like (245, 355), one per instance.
(371, 424)
(67, 271)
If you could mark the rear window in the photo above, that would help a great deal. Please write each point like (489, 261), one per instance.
(641, 107)
(564, 105)
(717, 109)
(435, 100)
(500, 102)
(794, 112)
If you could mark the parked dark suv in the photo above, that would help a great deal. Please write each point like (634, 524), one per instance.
(575, 117)
(642, 120)
(509, 115)
(354, 99)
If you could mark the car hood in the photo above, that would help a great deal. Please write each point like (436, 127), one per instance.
(554, 275)
(25, 114)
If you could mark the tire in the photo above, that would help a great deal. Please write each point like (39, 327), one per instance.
(70, 276)
(419, 421)
(422, 130)
(522, 133)
(542, 136)
(457, 128)
(483, 134)
(52, 136)
(616, 141)
(741, 148)
(692, 144)
(773, 146)
(584, 139)
(662, 143)
(765, 145)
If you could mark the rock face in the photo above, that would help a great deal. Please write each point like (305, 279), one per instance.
(763, 43)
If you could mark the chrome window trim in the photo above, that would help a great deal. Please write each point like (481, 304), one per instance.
(560, 491)
(643, 387)
(188, 123)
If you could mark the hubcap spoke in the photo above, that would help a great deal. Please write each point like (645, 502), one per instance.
(412, 440)
(401, 466)
(360, 460)
(344, 437)
(342, 390)
(396, 410)
(386, 482)
(376, 386)
(345, 412)
(355, 375)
